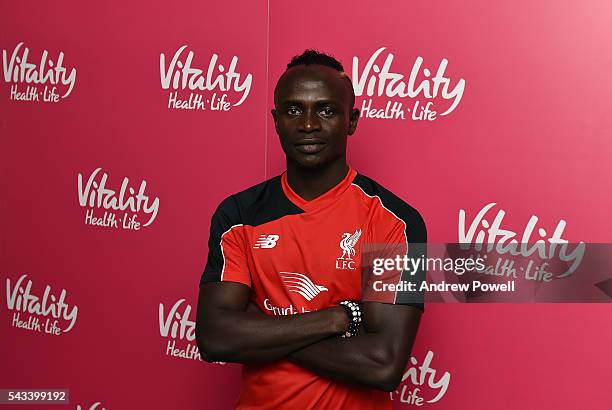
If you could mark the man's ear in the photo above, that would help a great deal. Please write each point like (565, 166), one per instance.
(274, 115)
(353, 121)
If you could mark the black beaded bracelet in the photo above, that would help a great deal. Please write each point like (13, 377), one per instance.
(354, 314)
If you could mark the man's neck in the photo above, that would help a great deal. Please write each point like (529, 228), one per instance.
(312, 183)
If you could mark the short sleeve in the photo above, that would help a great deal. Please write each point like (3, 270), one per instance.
(391, 269)
(227, 260)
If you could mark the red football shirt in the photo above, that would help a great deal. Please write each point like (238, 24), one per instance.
(299, 256)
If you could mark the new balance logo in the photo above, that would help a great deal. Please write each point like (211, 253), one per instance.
(266, 241)
(299, 283)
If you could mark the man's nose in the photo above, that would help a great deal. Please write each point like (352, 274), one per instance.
(310, 121)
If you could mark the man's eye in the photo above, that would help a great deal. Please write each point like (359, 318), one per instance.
(327, 111)
(293, 111)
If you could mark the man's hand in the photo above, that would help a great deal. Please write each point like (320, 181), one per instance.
(376, 357)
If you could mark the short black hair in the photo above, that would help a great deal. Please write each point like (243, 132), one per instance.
(310, 56)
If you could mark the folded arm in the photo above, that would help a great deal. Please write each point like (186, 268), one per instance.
(226, 331)
(376, 357)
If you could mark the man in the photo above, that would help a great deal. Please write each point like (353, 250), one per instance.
(285, 253)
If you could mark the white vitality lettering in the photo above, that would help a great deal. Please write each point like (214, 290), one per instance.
(18, 69)
(418, 375)
(175, 324)
(482, 231)
(179, 74)
(392, 84)
(95, 194)
(21, 299)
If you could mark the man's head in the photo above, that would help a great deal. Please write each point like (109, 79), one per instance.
(314, 112)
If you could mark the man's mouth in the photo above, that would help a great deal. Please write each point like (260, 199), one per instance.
(310, 146)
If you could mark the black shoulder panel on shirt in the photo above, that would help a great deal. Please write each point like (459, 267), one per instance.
(224, 218)
(264, 202)
(416, 234)
(415, 226)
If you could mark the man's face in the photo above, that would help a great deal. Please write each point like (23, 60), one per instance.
(313, 115)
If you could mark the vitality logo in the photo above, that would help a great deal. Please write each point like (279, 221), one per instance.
(29, 308)
(422, 384)
(486, 234)
(121, 209)
(175, 325)
(420, 87)
(56, 81)
(217, 87)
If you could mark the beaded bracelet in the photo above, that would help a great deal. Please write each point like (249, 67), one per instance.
(353, 312)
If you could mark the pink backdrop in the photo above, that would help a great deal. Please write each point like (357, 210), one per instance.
(529, 132)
